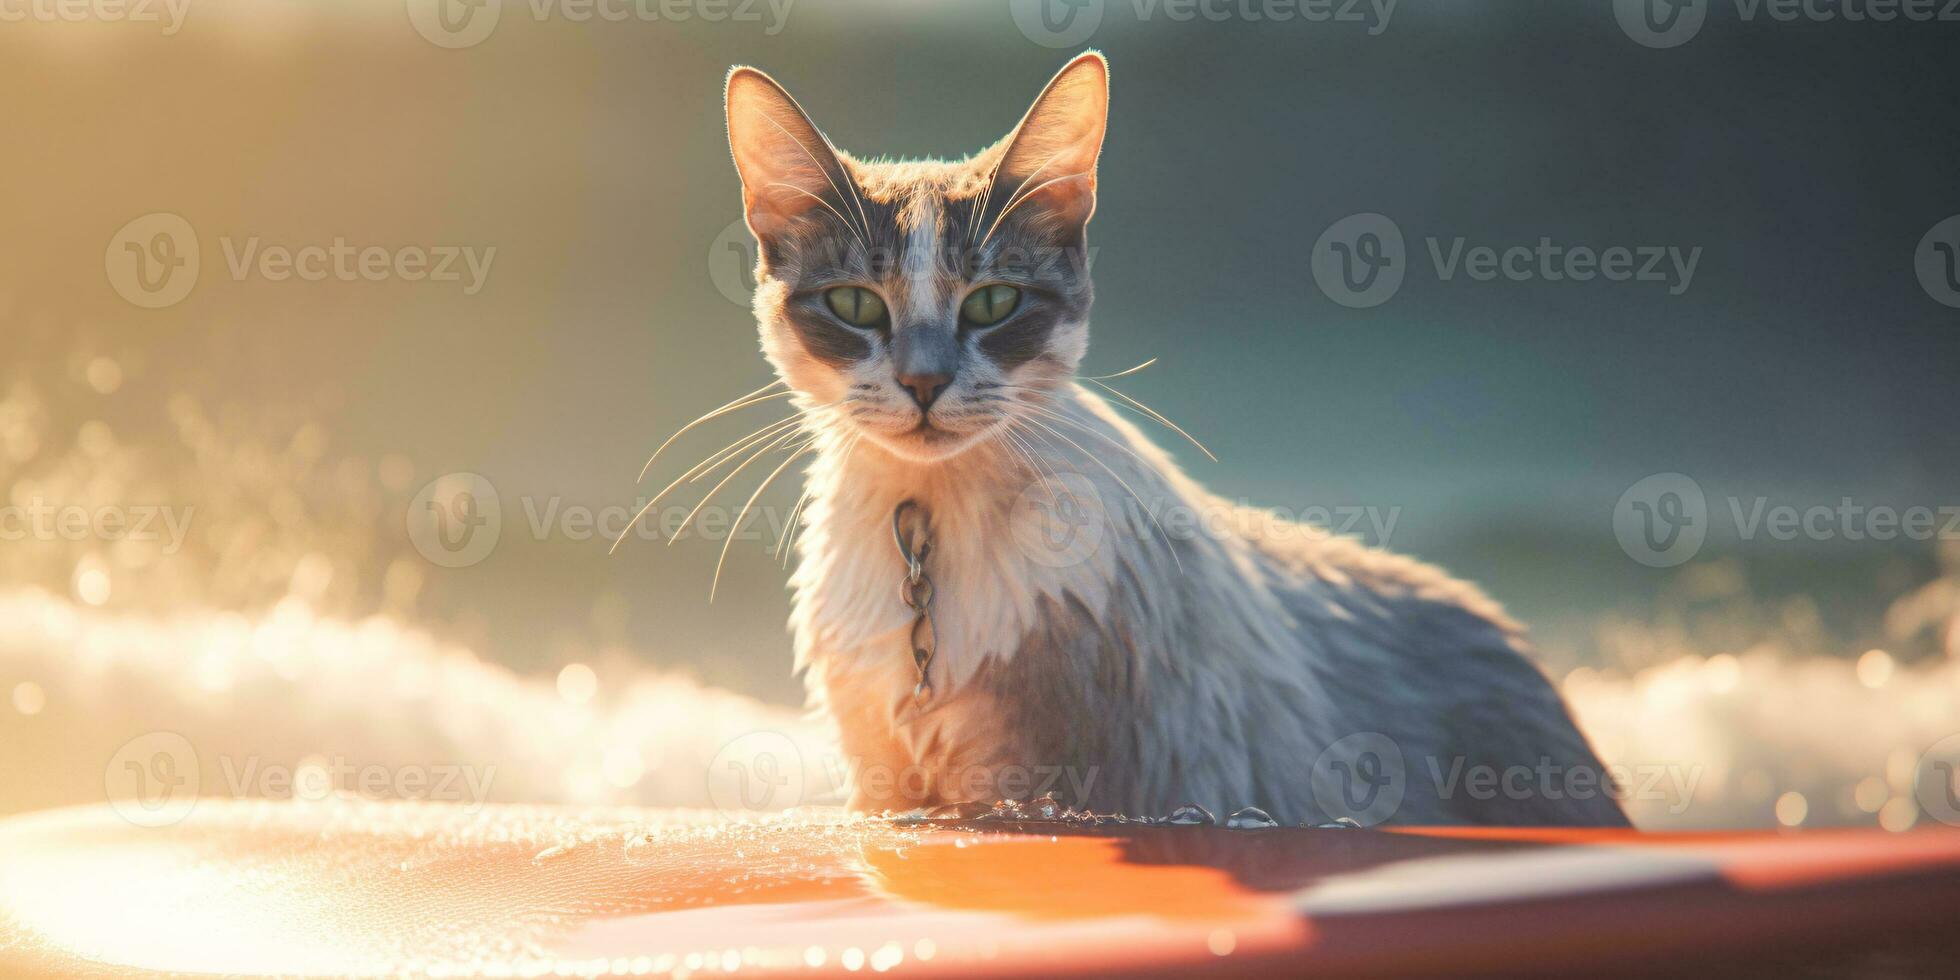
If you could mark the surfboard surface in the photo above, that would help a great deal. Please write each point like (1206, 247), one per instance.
(353, 888)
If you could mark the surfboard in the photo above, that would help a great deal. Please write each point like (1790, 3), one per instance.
(345, 886)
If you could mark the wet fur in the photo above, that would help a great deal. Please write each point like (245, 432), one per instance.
(1161, 669)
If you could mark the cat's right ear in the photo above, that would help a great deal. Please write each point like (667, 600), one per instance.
(787, 166)
(1049, 163)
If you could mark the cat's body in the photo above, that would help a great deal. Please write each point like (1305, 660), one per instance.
(1164, 648)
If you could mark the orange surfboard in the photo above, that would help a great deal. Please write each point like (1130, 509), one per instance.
(350, 887)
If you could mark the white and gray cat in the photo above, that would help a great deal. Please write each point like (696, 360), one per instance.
(929, 317)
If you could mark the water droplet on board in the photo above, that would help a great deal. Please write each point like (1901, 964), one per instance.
(958, 811)
(551, 852)
(1251, 818)
(1007, 810)
(1045, 808)
(1341, 823)
(1190, 815)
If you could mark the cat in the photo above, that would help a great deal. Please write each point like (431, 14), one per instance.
(1089, 638)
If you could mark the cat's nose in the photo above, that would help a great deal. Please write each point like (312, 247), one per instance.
(926, 387)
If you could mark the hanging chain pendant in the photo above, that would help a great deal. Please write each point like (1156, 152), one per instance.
(910, 529)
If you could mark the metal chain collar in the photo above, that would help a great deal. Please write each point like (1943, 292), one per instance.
(911, 527)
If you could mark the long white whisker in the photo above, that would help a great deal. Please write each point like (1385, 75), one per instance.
(705, 466)
(1027, 455)
(1127, 403)
(1122, 374)
(755, 397)
(789, 530)
(714, 462)
(710, 495)
(1059, 417)
(1154, 414)
(744, 513)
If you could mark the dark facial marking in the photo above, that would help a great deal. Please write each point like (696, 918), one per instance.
(833, 344)
(1019, 340)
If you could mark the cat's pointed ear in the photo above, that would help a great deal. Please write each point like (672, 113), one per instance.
(1050, 160)
(787, 166)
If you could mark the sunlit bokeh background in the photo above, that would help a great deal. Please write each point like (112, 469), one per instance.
(289, 425)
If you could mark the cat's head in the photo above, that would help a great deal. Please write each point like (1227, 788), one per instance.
(926, 301)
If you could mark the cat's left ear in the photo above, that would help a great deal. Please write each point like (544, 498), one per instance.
(1050, 161)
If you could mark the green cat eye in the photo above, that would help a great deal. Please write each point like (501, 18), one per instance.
(989, 305)
(856, 305)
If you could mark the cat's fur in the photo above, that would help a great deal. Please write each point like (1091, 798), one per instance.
(1209, 661)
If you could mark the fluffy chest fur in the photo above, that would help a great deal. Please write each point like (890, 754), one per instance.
(1117, 668)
